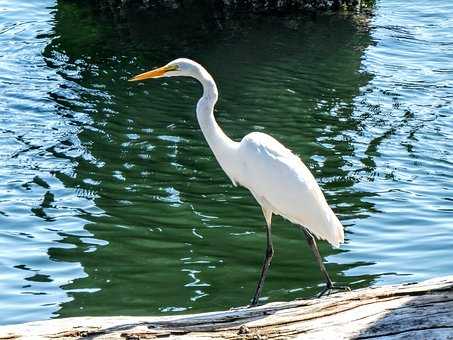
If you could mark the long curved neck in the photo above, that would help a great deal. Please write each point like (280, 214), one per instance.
(221, 145)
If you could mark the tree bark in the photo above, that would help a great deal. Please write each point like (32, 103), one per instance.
(419, 311)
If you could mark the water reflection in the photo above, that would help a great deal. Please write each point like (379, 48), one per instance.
(37, 210)
(170, 219)
(401, 153)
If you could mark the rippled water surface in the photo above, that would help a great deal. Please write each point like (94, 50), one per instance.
(111, 202)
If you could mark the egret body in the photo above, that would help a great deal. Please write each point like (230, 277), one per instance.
(277, 178)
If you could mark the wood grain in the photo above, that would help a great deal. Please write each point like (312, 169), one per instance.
(416, 311)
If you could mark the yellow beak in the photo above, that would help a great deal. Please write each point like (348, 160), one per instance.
(158, 72)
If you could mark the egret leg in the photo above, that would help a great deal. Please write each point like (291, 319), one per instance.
(266, 264)
(314, 247)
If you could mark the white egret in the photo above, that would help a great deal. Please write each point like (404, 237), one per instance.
(277, 178)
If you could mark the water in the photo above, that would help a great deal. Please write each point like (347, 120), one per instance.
(112, 203)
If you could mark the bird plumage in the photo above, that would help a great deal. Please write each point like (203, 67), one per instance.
(282, 184)
(277, 178)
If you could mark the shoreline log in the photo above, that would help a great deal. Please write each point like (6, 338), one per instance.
(419, 311)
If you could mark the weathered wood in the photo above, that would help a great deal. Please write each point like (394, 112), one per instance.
(417, 311)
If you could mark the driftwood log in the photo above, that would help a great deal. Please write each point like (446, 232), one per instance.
(410, 311)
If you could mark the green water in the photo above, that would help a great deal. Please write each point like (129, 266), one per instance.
(112, 203)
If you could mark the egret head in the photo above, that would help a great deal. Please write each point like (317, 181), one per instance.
(175, 68)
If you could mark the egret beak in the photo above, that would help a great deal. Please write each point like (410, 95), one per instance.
(156, 73)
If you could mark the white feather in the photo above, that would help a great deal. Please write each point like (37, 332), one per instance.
(278, 179)
(281, 183)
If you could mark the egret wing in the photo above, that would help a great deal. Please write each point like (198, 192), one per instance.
(281, 182)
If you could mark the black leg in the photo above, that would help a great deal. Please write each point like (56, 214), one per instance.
(266, 265)
(314, 247)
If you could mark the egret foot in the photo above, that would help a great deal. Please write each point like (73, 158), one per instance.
(244, 307)
(331, 288)
(240, 307)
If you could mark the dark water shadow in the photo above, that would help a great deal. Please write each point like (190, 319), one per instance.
(176, 235)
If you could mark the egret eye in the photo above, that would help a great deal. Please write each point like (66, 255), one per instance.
(172, 68)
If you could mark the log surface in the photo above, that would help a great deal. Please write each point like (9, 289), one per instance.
(417, 311)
